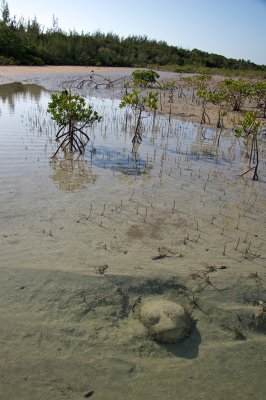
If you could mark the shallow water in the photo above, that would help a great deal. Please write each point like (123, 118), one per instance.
(66, 329)
(27, 142)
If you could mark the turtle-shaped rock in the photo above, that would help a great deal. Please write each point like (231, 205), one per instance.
(166, 321)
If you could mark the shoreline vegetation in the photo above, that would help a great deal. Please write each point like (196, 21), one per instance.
(200, 98)
(26, 42)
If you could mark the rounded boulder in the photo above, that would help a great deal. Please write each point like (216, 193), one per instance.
(166, 321)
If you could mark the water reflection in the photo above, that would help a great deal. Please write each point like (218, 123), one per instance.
(72, 172)
(164, 151)
(124, 162)
(12, 91)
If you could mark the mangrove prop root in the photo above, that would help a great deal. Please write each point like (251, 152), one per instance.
(72, 139)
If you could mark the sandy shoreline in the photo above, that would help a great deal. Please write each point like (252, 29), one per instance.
(67, 330)
(52, 69)
(52, 77)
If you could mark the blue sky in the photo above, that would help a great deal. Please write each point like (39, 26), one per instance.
(233, 28)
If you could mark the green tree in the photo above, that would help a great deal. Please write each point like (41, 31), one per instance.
(11, 44)
(107, 56)
(139, 104)
(249, 129)
(259, 95)
(218, 98)
(200, 85)
(169, 86)
(72, 116)
(145, 77)
(5, 12)
(236, 92)
(54, 46)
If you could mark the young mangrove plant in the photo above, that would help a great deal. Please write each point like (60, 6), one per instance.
(139, 103)
(200, 85)
(218, 98)
(203, 95)
(249, 129)
(236, 92)
(145, 77)
(169, 86)
(73, 117)
(259, 95)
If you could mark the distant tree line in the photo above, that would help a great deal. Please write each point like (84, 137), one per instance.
(27, 42)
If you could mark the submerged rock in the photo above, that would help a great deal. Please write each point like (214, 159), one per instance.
(258, 320)
(166, 321)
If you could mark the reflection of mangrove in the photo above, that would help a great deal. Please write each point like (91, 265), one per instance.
(72, 172)
(207, 145)
(11, 91)
(128, 164)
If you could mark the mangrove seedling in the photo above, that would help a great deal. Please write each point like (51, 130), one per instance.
(73, 117)
(236, 91)
(139, 104)
(145, 77)
(200, 84)
(218, 98)
(259, 95)
(249, 129)
(169, 86)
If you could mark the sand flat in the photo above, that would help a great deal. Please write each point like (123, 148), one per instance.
(66, 328)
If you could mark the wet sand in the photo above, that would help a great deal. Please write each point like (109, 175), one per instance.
(67, 329)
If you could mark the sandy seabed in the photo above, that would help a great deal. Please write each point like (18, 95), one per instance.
(194, 236)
